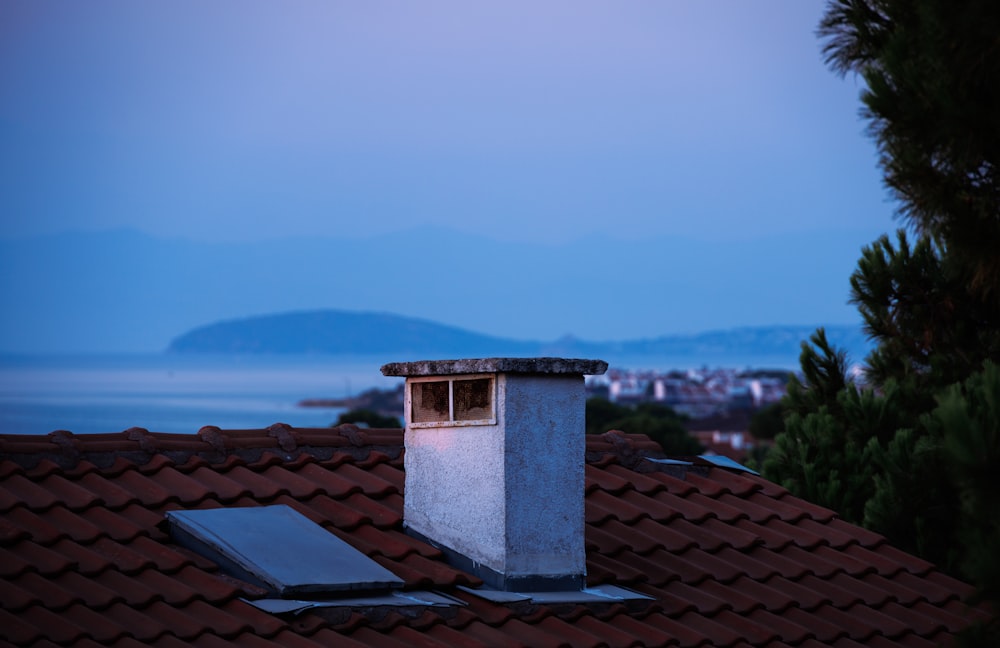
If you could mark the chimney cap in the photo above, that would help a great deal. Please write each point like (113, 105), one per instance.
(564, 366)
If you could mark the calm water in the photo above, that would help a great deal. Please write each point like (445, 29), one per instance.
(166, 393)
(39, 394)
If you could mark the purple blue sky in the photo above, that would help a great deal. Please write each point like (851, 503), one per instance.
(521, 122)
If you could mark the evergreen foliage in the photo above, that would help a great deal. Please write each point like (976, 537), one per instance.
(768, 421)
(910, 447)
(659, 422)
(932, 71)
(368, 418)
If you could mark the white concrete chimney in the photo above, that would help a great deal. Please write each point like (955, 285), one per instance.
(495, 465)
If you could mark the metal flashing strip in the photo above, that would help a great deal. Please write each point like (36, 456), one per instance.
(669, 462)
(723, 461)
(279, 549)
(598, 594)
(393, 599)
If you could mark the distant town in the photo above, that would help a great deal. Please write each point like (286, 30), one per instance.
(716, 403)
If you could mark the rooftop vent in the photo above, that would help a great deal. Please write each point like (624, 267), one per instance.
(495, 466)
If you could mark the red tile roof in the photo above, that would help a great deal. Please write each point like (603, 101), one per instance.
(728, 558)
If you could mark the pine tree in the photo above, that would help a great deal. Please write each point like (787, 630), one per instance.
(932, 71)
(911, 449)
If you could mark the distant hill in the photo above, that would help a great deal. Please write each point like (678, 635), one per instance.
(341, 332)
(126, 291)
(338, 332)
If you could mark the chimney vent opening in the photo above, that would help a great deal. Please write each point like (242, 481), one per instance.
(459, 400)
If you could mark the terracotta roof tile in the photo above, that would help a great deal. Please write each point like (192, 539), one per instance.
(111, 493)
(260, 487)
(678, 597)
(331, 482)
(211, 483)
(604, 506)
(18, 489)
(778, 593)
(491, 636)
(691, 507)
(85, 589)
(695, 565)
(59, 628)
(384, 513)
(729, 558)
(784, 562)
(607, 480)
(674, 485)
(130, 522)
(817, 628)
(603, 569)
(70, 494)
(81, 559)
(740, 484)
(339, 514)
(32, 526)
(601, 539)
(937, 586)
(295, 486)
(634, 536)
(707, 487)
(717, 633)
(747, 564)
(149, 492)
(712, 535)
(888, 554)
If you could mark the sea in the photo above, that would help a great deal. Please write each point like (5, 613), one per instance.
(182, 393)
(176, 393)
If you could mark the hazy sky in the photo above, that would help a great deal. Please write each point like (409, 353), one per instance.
(540, 121)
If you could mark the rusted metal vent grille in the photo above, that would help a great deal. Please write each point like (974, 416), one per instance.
(429, 401)
(472, 399)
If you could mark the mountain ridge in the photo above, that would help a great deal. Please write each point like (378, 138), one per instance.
(127, 291)
(341, 332)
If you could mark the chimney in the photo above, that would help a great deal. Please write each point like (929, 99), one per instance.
(495, 466)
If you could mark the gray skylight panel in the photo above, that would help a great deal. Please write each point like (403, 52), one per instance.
(280, 549)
